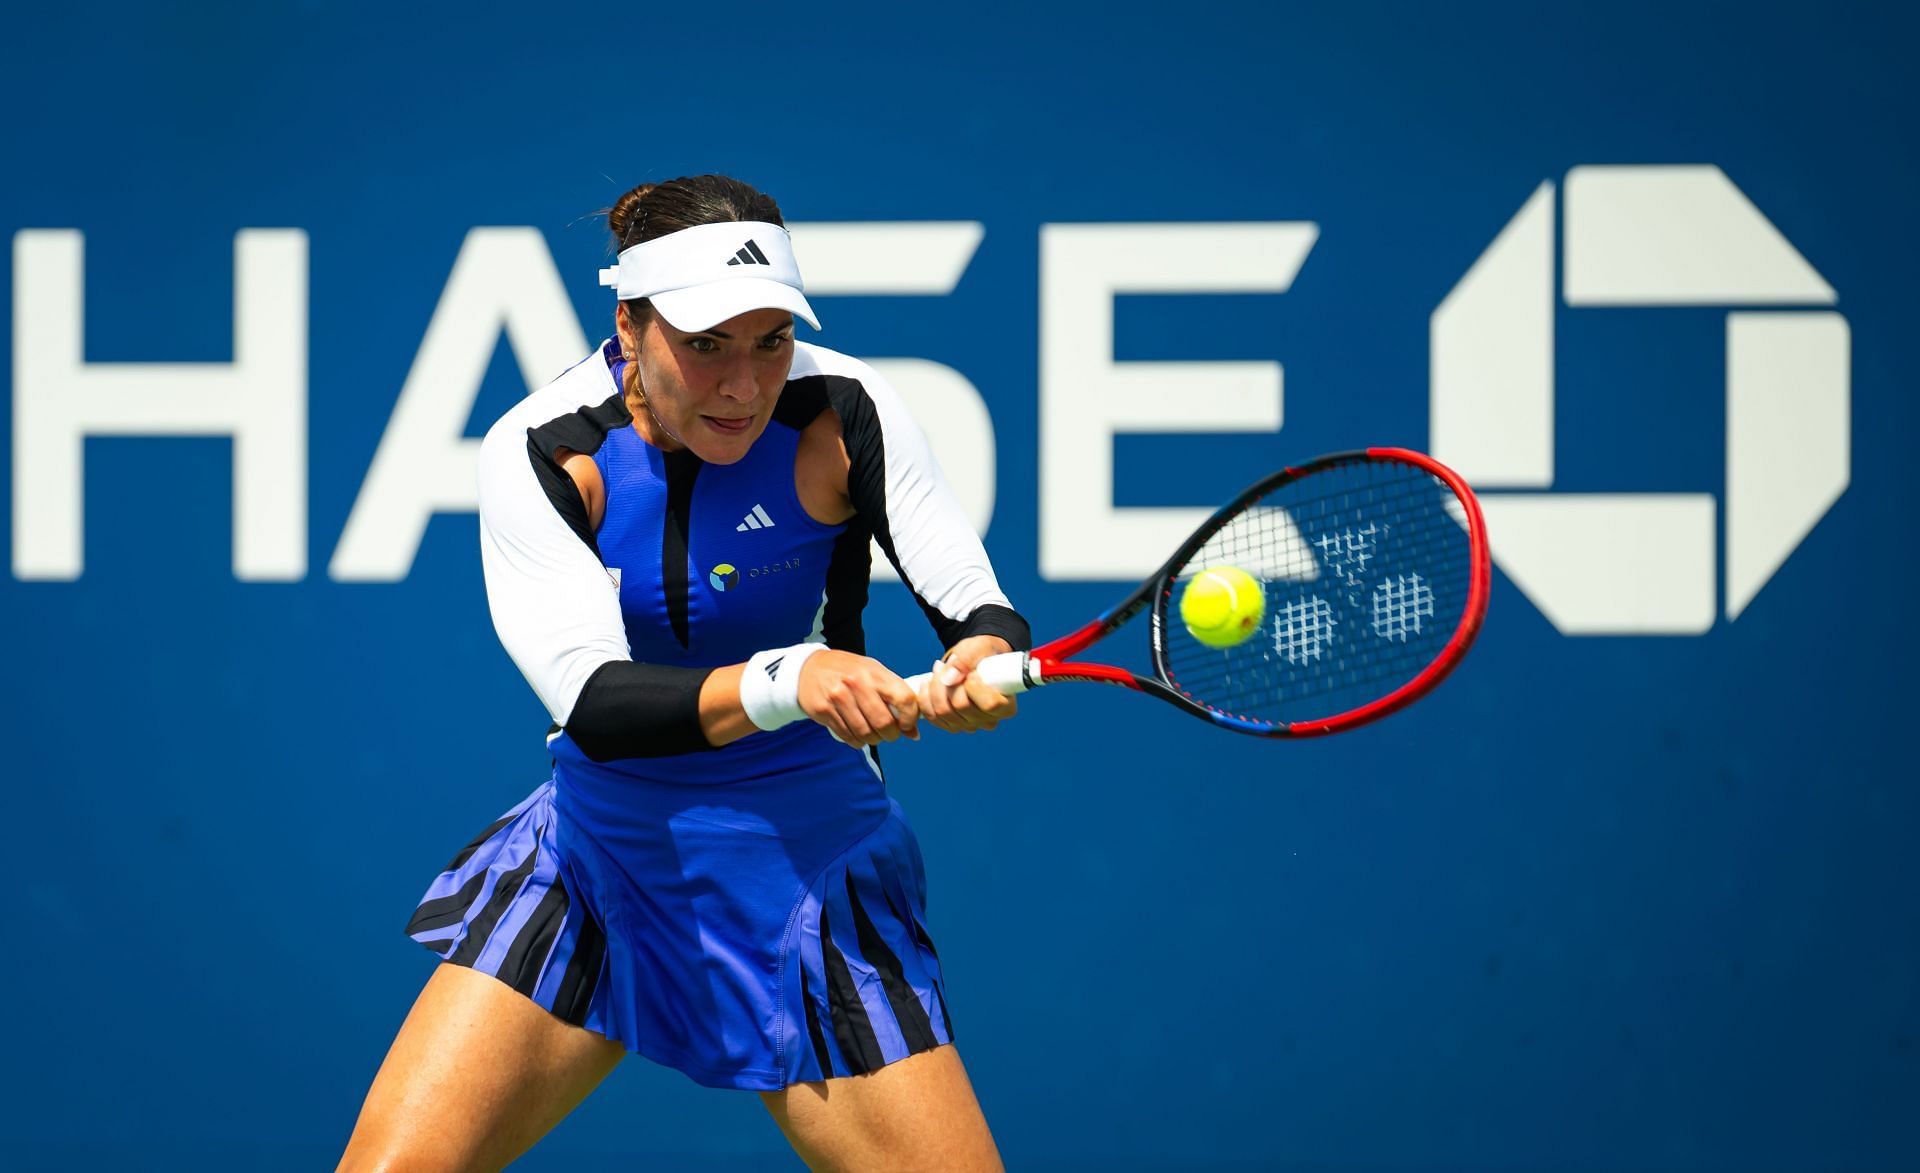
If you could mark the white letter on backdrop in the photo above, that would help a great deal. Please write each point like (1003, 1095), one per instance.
(259, 399)
(504, 278)
(1086, 398)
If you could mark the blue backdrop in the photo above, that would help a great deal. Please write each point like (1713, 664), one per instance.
(1607, 901)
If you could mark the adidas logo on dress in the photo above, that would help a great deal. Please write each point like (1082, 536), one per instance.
(749, 254)
(758, 519)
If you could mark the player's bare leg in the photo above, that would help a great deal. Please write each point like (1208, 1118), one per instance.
(477, 1074)
(917, 1114)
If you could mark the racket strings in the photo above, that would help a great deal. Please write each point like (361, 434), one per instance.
(1365, 576)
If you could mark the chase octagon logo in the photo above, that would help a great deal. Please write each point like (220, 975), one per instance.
(1644, 563)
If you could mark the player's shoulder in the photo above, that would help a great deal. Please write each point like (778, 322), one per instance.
(835, 376)
(586, 383)
(812, 361)
(822, 379)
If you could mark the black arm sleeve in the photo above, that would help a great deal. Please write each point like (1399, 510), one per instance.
(993, 619)
(634, 710)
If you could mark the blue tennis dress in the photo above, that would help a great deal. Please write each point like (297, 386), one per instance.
(753, 916)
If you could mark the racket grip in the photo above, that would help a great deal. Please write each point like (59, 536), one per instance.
(1012, 673)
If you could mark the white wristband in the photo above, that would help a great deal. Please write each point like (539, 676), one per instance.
(770, 685)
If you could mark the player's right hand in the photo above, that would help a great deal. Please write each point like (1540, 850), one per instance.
(860, 700)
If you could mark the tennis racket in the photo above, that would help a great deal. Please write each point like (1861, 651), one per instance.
(1373, 571)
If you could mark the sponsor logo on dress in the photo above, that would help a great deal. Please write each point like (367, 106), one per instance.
(758, 519)
(726, 576)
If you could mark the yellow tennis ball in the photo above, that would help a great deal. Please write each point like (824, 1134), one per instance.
(1222, 606)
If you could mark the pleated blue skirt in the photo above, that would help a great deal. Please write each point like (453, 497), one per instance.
(753, 967)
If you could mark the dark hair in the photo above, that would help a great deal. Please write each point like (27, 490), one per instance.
(653, 210)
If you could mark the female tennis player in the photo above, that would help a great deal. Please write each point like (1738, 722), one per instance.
(675, 539)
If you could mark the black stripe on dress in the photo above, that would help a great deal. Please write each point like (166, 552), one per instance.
(916, 1029)
(849, 572)
(851, 1027)
(466, 853)
(682, 469)
(527, 956)
(442, 911)
(925, 942)
(575, 995)
(481, 927)
(920, 940)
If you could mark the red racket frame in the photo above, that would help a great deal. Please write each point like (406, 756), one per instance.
(1049, 663)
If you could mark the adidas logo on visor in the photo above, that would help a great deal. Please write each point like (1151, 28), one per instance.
(749, 254)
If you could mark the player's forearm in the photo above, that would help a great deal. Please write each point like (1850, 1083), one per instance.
(722, 719)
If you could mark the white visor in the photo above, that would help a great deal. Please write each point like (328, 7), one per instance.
(699, 277)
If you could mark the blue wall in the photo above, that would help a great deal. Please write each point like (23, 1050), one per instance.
(1602, 902)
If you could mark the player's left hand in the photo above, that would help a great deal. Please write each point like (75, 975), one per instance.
(958, 701)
